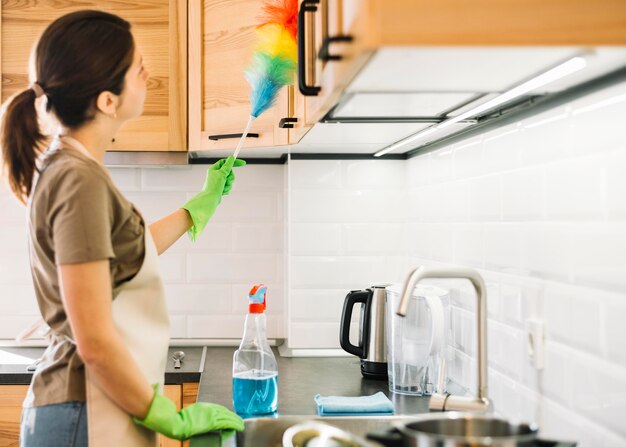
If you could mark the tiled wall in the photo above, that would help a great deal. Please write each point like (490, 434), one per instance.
(207, 281)
(539, 207)
(347, 225)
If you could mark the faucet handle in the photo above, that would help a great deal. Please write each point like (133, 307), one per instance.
(449, 402)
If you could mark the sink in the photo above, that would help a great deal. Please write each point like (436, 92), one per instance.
(268, 432)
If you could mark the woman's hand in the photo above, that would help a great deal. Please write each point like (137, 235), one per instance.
(219, 181)
(193, 420)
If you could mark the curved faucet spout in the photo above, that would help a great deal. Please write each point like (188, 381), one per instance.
(441, 402)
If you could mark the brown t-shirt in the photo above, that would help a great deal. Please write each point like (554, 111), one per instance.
(76, 214)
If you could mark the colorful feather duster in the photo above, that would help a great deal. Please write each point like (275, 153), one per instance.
(275, 57)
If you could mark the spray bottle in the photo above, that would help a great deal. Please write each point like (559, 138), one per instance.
(255, 374)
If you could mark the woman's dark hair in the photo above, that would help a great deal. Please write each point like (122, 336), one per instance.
(77, 57)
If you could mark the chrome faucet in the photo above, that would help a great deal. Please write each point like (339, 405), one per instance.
(445, 402)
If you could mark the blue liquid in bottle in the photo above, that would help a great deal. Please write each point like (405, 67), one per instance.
(255, 393)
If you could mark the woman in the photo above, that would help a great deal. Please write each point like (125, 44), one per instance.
(93, 259)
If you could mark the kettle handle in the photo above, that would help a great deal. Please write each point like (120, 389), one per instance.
(356, 296)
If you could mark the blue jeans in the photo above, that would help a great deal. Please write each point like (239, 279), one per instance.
(57, 425)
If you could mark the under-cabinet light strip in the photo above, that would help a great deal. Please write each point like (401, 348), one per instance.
(566, 68)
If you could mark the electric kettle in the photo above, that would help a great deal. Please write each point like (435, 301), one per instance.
(372, 344)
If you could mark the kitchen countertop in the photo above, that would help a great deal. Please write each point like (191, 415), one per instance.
(299, 380)
(15, 361)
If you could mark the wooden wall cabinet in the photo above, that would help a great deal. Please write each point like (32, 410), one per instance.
(12, 396)
(160, 30)
(350, 31)
(221, 42)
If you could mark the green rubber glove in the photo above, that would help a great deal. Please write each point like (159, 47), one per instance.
(193, 420)
(219, 181)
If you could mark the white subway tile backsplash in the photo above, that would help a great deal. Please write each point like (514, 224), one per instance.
(345, 206)
(574, 189)
(188, 299)
(319, 335)
(18, 300)
(126, 179)
(228, 268)
(485, 199)
(616, 185)
(468, 245)
(599, 255)
(175, 178)
(226, 327)
(13, 238)
(547, 251)
(557, 375)
(523, 194)
(596, 123)
(468, 158)
(173, 267)
(178, 326)
(349, 272)
(598, 391)
(258, 238)
(315, 174)
(259, 177)
(11, 326)
(615, 329)
(321, 305)
(502, 247)
(373, 239)
(442, 242)
(441, 166)
(545, 137)
(13, 212)
(15, 268)
(156, 205)
(501, 149)
(315, 239)
(419, 171)
(215, 238)
(252, 207)
(374, 174)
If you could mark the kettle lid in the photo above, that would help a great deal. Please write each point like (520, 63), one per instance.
(420, 290)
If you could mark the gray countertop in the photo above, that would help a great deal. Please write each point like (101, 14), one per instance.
(299, 380)
(14, 363)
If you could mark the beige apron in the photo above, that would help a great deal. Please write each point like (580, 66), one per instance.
(140, 316)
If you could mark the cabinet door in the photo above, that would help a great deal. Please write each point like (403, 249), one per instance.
(11, 398)
(159, 27)
(335, 38)
(221, 42)
(174, 393)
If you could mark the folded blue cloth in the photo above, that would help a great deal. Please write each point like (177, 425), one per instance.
(353, 406)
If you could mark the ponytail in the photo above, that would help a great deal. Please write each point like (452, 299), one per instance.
(20, 139)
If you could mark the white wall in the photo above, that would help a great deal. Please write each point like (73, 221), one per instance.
(347, 225)
(539, 207)
(207, 282)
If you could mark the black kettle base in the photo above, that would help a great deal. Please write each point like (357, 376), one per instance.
(374, 370)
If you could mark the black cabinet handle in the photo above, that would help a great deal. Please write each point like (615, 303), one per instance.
(287, 123)
(232, 135)
(324, 53)
(306, 90)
